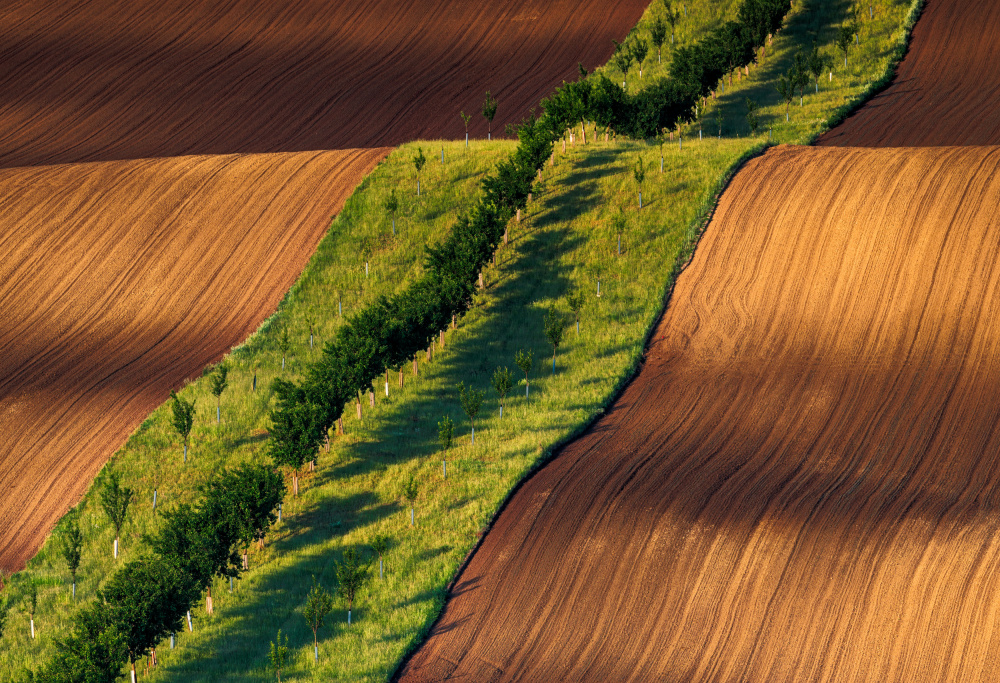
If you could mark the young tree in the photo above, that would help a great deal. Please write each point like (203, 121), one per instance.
(489, 111)
(311, 324)
(278, 655)
(845, 34)
(72, 547)
(410, 492)
(786, 90)
(639, 51)
(219, 383)
(673, 16)
(31, 604)
(618, 225)
(658, 34)
(523, 360)
(817, 64)
(800, 73)
(622, 59)
(115, 500)
(183, 419)
(418, 163)
(472, 400)
(719, 119)
(639, 173)
(351, 575)
(446, 430)
(555, 326)
(502, 382)
(392, 206)
(319, 603)
(284, 345)
(380, 546)
(465, 119)
(752, 119)
(575, 300)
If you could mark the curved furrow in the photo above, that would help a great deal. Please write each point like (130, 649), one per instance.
(138, 287)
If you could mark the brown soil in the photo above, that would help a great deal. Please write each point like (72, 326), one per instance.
(802, 482)
(945, 90)
(99, 80)
(121, 279)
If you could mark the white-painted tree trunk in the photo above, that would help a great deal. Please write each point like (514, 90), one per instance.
(661, 164)
(74, 590)
(387, 387)
(279, 512)
(283, 358)
(411, 516)
(315, 652)
(311, 334)
(366, 268)
(32, 628)
(442, 155)
(154, 499)
(418, 187)
(473, 434)
(173, 643)
(466, 140)
(115, 549)
(501, 411)
(348, 617)
(640, 199)
(190, 625)
(133, 672)
(208, 602)
(230, 584)
(218, 414)
(185, 452)
(380, 573)
(340, 309)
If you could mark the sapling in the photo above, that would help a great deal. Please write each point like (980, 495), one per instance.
(658, 34)
(278, 655)
(351, 574)
(800, 72)
(472, 401)
(410, 490)
(392, 206)
(786, 90)
(32, 604)
(489, 111)
(319, 603)
(817, 64)
(380, 546)
(446, 430)
(618, 225)
(418, 163)
(752, 119)
(673, 16)
(311, 324)
(72, 547)
(639, 173)
(845, 35)
(718, 119)
(284, 345)
(622, 59)
(219, 383)
(115, 500)
(555, 326)
(183, 418)
(465, 119)
(639, 51)
(575, 300)
(523, 360)
(502, 383)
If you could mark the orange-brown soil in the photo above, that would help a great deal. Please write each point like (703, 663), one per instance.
(945, 90)
(121, 279)
(99, 80)
(802, 483)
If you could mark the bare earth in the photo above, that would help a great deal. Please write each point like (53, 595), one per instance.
(119, 280)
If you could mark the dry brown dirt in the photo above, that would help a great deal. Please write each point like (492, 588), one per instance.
(945, 91)
(121, 279)
(99, 80)
(802, 483)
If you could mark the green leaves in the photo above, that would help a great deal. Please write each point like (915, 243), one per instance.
(220, 380)
(351, 574)
(446, 431)
(419, 160)
(502, 382)
(489, 107)
(555, 326)
(410, 490)
(319, 603)
(523, 360)
(183, 415)
(71, 543)
(471, 399)
(278, 655)
(115, 500)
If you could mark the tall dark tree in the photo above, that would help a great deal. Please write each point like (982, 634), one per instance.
(183, 418)
(115, 500)
(297, 430)
(251, 494)
(489, 111)
(673, 16)
(94, 651)
(219, 382)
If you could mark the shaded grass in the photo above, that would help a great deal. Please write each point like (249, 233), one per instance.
(565, 242)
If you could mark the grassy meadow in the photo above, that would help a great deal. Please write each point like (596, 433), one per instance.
(564, 243)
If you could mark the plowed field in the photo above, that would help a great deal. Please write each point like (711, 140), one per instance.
(945, 91)
(99, 80)
(121, 279)
(802, 483)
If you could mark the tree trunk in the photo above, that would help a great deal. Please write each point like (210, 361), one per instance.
(466, 139)
(185, 451)
(411, 516)
(154, 500)
(444, 469)
(480, 280)
(208, 601)
(441, 332)
(190, 625)
(380, 575)
(519, 215)
(371, 398)
(414, 366)
(74, 589)
(527, 386)
(553, 361)
(115, 550)
(454, 325)
(218, 413)
(583, 130)
(506, 235)
(246, 562)
(283, 355)
(132, 670)
(358, 405)
(400, 376)
(640, 199)
(393, 225)
(253, 386)
(32, 627)
(340, 421)
(473, 433)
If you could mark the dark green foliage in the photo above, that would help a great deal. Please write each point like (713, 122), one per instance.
(298, 427)
(183, 418)
(115, 500)
(410, 490)
(94, 652)
(752, 120)
(658, 34)
(502, 382)
(278, 655)
(246, 498)
(555, 326)
(523, 360)
(490, 110)
(845, 35)
(446, 431)
(472, 401)
(72, 544)
(319, 603)
(351, 573)
(219, 382)
(817, 64)
(639, 51)
(622, 58)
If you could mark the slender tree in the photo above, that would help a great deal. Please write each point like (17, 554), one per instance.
(311, 324)
(622, 59)
(220, 380)
(418, 163)
(31, 604)
(786, 89)
(752, 119)
(284, 345)
(465, 119)
(555, 326)
(658, 35)
(503, 380)
(817, 64)
(446, 431)
(489, 111)
(410, 492)
(618, 224)
(673, 16)
(523, 360)
(392, 206)
(575, 300)
(639, 173)
(319, 603)
(351, 575)
(183, 419)
(115, 500)
(72, 547)
(800, 72)
(472, 401)
(380, 546)
(845, 34)
(639, 51)
(278, 655)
